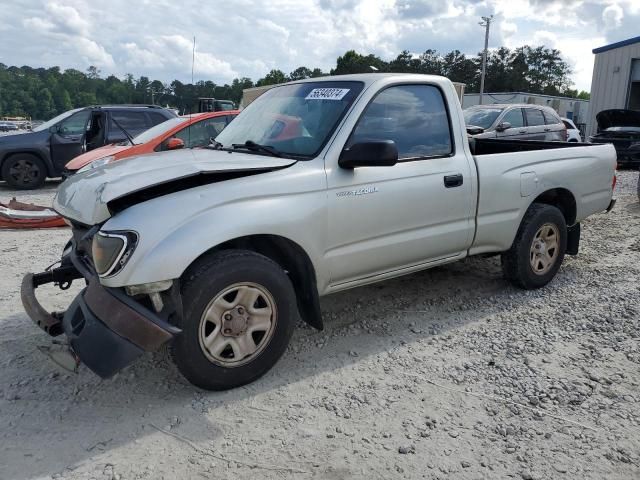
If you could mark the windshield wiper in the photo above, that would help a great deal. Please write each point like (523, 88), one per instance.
(126, 134)
(215, 145)
(256, 147)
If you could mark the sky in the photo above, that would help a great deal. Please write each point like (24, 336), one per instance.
(237, 38)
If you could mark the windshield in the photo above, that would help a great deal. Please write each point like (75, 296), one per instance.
(296, 119)
(159, 129)
(481, 117)
(54, 120)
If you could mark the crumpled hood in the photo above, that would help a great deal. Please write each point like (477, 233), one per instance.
(617, 118)
(84, 196)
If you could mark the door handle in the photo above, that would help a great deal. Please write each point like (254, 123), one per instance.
(451, 181)
(547, 129)
(522, 131)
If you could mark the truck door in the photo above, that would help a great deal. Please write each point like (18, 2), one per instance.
(67, 137)
(383, 219)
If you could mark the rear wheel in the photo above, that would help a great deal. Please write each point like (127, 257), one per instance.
(538, 249)
(24, 171)
(239, 314)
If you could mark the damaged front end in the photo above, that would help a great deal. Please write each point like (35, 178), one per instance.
(107, 328)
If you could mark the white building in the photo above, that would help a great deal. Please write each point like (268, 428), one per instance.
(572, 108)
(616, 79)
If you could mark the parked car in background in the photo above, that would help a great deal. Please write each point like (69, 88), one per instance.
(573, 132)
(197, 130)
(8, 127)
(515, 121)
(622, 129)
(27, 160)
(214, 105)
(318, 186)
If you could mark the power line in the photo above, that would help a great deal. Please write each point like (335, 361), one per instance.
(486, 22)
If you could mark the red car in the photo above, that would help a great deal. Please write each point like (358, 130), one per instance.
(188, 131)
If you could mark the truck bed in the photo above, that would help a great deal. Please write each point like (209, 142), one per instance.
(512, 173)
(487, 146)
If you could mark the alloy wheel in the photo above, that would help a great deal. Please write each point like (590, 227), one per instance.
(237, 324)
(544, 249)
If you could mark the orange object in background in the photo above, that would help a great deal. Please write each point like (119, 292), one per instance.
(16, 214)
(195, 130)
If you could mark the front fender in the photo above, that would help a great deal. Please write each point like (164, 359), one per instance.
(171, 238)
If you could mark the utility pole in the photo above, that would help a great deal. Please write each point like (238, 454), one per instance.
(486, 22)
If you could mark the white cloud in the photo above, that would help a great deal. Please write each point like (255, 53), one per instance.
(250, 37)
(612, 16)
(67, 18)
(508, 29)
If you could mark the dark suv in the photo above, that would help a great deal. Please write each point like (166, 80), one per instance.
(26, 160)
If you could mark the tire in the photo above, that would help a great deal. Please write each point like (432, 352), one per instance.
(228, 297)
(530, 262)
(24, 171)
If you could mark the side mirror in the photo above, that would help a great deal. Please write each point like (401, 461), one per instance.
(503, 126)
(174, 143)
(53, 129)
(378, 153)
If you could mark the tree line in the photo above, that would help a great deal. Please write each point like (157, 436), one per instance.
(41, 93)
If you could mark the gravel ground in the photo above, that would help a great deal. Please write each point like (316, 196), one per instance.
(449, 373)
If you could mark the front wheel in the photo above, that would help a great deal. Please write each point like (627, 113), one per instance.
(538, 249)
(239, 314)
(24, 171)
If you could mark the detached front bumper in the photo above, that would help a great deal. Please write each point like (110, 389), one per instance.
(106, 328)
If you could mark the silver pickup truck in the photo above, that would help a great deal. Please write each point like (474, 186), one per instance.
(316, 187)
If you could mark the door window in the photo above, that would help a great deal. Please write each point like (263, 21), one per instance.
(76, 124)
(514, 117)
(550, 118)
(413, 116)
(534, 117)
(201, 133)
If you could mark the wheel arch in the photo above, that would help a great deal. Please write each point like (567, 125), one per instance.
(294, 261)
(563, 200)
(28, 151)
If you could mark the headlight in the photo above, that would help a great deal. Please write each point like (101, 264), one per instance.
(111, 251)
(97, 163)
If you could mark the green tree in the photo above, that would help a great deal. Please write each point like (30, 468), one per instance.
(353, 62)
(272, 78)
(300, 73)
(43, 92)
(45, 105)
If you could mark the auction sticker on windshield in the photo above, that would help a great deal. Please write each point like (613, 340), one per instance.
(327, 94)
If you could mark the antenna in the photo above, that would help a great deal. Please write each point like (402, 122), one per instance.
(486, 22)
(193, 61)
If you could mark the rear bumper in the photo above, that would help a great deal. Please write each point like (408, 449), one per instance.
(106, 328)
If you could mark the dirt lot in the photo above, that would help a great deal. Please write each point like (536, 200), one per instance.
(449, 373)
